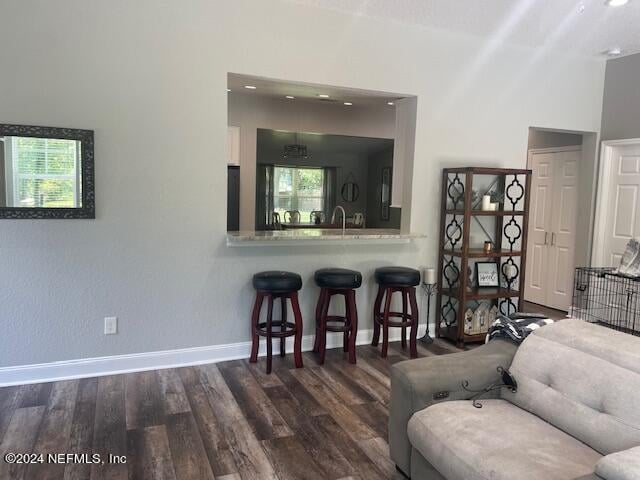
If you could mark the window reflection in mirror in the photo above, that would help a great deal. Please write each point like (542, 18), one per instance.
(298, 189)
(40, 172)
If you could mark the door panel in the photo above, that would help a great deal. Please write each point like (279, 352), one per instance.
(562, 282)
(624, 210)
(536, 279)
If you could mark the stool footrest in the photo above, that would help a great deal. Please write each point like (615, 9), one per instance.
(290, 329)
(407, 323)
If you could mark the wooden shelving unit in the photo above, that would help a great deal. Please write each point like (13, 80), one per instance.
(455, 254)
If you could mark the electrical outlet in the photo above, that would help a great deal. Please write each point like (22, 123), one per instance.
(110, 325)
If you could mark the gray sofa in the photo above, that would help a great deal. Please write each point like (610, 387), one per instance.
(575, 415)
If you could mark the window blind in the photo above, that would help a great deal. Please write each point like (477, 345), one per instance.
(45, 172)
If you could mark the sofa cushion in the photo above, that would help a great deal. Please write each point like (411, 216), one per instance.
(620, 466)
(583, 379)
(496, 442)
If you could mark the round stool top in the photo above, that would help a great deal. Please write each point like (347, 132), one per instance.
(398, 276)
(338, 278)
(277, 282)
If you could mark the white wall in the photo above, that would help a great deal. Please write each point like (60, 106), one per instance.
(250, 112)
(150, 78)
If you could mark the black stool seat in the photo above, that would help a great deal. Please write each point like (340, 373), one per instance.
(338, 278)
(277, 282)
(398, 276)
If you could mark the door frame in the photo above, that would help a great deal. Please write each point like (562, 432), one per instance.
(568, 148)
(602, 195)
(538, 151)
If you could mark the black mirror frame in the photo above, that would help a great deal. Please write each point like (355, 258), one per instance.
(85, 137)
(355, 190)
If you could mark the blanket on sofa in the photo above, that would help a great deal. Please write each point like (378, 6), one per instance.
(516, 326)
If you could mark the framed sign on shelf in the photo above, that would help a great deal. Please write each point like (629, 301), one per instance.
(487, 274)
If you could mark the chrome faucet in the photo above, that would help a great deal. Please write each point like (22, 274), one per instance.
(344, 217)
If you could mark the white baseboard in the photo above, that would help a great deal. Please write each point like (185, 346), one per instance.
(138, 362)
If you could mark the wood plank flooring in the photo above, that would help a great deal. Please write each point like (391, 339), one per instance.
(226, 421)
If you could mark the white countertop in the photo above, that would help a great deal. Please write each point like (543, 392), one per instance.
(318, 236)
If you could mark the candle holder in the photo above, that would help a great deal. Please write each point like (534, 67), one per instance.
(429, 291)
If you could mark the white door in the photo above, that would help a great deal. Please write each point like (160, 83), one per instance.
(561, 261)
(541, 205)
(552, 225)
(618, 217)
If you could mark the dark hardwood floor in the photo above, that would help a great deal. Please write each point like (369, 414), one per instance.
(226, 421)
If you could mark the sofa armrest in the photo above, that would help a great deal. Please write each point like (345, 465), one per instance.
(623, 465)
(416, 384)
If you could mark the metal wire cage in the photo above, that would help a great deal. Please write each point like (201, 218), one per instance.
(602, 296)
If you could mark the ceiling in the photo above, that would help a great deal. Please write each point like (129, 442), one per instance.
(279, 89)
(584, 27)
(321, 146)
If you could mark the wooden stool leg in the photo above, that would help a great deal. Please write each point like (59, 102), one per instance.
(283, 325)
(255, 319)
(405, 316)
(385, 322)
(345, 335)
(269, 332)
(352, 315)
(297, 343)
(323, 327)
(414, 323)
(319, 307)
(376, 317)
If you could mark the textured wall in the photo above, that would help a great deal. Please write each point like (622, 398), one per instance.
(150, 78)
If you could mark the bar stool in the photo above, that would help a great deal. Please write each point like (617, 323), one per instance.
(337, 281)
(391, 280)
(273, 285)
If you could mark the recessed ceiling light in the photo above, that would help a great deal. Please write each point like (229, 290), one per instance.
(290, 97)
(323, 95)
(228, 89)
(616, 3)
(348, 103)
(390, 103)
(250, 87)
(614, 52)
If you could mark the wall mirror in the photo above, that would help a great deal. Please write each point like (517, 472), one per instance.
(46, 172)
(350, 190)
(327, 171)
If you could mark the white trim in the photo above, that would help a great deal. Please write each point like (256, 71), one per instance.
(138, 362)
(602, 196)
